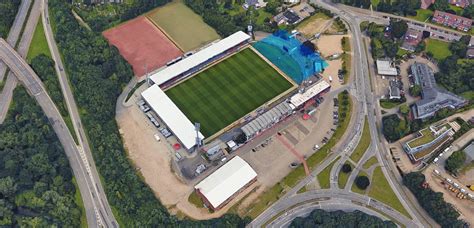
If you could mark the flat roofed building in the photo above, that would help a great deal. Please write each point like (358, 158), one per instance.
(394, 90)
(428, 140)
(384, 67)
(301, 98)
(225, 183)
(194, 62)
(433, 97)
(172, 116)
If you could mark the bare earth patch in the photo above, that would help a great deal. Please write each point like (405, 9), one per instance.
(329, 45)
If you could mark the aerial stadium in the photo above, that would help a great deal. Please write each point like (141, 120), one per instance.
(229, 87)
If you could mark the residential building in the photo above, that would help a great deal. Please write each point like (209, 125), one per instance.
(425, 4)
(428, 140)
(219, 188)
(394, 90)
(288, 17)
(433, 98)
(411, 39)
(460, 3)
(451, 20)
(386, 68)
(251, 3)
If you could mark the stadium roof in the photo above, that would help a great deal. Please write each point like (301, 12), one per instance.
(300, 98)
(199, 57)
(172, 116)
(384, 67)
(226, 181)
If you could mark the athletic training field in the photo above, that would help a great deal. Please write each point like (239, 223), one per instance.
(183, 26)
(142, 44)
(227, 91)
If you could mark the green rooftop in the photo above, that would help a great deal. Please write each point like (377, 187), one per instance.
(427, 136)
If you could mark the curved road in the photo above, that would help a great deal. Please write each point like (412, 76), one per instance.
(102, 204)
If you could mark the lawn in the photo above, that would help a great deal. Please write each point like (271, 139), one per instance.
(227, 91)
(312, 20)
(185, 28)
(426, 137)
(422, 15)
(195, 200)
(439, 49)
(456, 9)
(369, 163)
(354, 187)
(323, 176)
(343, 177)
(364, 143)
(388, 104)
(381, 191)
(39, 43)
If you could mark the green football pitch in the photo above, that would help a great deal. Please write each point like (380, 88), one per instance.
(228, 91)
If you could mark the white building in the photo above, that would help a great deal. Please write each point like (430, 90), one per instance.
(225, 183)
(172, 116)
(384, 67)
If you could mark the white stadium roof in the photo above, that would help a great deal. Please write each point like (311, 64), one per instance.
(226, 181)
(300, 98)
(384, 67)
(172, 116)
(199, 57)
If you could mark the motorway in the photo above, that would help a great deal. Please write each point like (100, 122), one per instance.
(103, 205)
(361, 89)
(12, 39)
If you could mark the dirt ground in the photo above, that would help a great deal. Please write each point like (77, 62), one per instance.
(141, 43)
(151, 158)
(315, 25)
(465, 206)
(329, 45)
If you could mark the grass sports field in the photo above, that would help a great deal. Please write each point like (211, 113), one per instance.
(227, 91)
(183, 26)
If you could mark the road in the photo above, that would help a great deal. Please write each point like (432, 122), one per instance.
(12, 39)
(84, 148)
(361, 89)
(348, 201)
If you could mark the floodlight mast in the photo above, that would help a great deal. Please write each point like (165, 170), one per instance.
(197, 127)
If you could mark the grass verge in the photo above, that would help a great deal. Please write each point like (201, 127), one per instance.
(388, 104)
(369, 163)
(346, 58)
(39, 43)
(195, 200)
(364, 143)
(323, 176)
(132, 91)
(354, 187)
(343, 177)
(381, 191)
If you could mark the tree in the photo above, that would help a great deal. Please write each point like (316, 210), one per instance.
(362, 182)
(272, 7)
(415, 90)
(393, 127)
(7, 187)
(404, 109)
(399, 28)
(469, 11)
(322, 218)
(346, 168)
(455, 161)
(440, 5)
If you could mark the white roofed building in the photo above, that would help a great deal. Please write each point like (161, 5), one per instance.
(200, 59)
(225, 183)
(384, 67)
(301, 98)
(172, 116)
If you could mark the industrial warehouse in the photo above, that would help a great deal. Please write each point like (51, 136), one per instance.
(220, 187)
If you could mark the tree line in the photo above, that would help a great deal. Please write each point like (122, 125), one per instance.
(8, 10)
(322, 218)
(102, 16)
(36, 188)
(433, 203)
(98, 73)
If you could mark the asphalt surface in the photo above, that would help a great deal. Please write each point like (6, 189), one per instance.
(102, 205)
(361, 89)
(12, 39)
